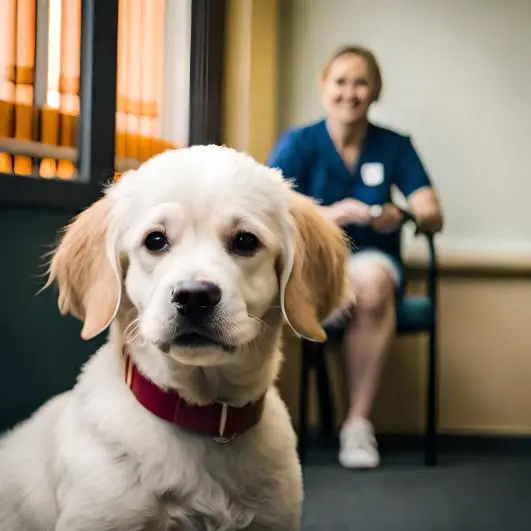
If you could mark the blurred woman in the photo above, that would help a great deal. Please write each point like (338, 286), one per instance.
(350, 164)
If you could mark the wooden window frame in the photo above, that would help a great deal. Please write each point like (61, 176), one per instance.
(97, 128)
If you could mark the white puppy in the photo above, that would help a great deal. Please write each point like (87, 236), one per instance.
(193, 261)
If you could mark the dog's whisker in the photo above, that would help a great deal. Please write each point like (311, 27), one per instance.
(132, 333)
(137, 340)
(262, 323)
(132, 324)
(134, 330)
(130, 330)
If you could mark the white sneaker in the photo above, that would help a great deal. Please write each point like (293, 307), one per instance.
(357, 445)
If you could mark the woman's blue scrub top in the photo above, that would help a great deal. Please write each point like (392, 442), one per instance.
(308, 156)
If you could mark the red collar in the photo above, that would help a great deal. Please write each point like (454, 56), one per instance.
(219, 420)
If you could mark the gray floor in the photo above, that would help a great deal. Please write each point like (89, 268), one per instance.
(467, 491)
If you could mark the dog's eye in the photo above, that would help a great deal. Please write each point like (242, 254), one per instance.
(244, 243)
(156, 242)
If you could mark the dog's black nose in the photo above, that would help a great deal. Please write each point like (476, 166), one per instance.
(196, 299)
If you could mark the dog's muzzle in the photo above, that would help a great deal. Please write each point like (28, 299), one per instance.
(197, 304)
(196, 300)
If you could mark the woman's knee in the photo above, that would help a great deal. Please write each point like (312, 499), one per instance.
(374, 288)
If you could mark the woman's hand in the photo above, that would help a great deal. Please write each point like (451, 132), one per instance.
(347, 211)
(389, 220)
(427, 210)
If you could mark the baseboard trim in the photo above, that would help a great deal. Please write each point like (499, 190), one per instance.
(445, 443)
(461, 442)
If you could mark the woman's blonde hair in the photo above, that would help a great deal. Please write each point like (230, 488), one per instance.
(367, 55)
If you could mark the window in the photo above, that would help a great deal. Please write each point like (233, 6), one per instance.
(99, 87)
(153, 78)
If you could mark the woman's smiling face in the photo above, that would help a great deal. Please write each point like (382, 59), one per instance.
(348, 89)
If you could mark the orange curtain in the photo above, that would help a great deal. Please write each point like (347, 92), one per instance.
(140, 83)
(60, 112)
(17, 63)
(140, 79)
(8, 47)
(24, 80)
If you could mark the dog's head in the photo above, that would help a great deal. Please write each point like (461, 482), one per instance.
(205, 246)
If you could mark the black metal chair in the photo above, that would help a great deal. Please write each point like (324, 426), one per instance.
(415, 314)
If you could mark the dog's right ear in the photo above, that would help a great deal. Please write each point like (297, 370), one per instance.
(316, 281)
(87, 275)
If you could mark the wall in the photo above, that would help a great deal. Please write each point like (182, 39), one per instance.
(455, 77)
(485, 362)
(40, 351)
(250, 86)
(451, 68)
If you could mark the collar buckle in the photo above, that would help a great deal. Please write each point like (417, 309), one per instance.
(221, 439)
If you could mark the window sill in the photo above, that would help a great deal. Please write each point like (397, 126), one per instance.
(21, 191)
(41, 151)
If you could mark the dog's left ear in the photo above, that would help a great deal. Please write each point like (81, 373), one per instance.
(314, 279)
(87, 275)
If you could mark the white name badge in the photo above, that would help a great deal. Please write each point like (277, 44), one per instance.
(372, 173)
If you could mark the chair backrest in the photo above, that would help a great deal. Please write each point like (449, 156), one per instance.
(433, 265)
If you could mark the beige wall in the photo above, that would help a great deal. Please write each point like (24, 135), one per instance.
(454, 78)
(485, 361)
(485, 297)
(250, 91)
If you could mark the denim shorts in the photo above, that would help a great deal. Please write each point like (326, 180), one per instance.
(393, 266)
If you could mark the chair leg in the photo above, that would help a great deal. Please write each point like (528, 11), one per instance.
(303, 400)
(326, 410)
(430, 449)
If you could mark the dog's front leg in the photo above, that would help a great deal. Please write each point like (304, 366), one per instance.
(74, 523)
(100, 518)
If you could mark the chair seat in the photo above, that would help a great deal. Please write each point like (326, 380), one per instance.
(414, 313)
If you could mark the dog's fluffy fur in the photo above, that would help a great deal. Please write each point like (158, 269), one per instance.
(93, 458)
